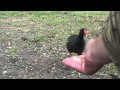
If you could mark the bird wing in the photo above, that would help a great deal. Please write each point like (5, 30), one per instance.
(72, 36)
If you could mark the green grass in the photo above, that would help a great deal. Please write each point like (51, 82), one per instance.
(5, 39)
(36, 38)
(12, 52)
(53, 24)
(56, 18)
(6, 14)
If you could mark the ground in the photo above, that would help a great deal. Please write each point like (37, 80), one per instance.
(33, 44)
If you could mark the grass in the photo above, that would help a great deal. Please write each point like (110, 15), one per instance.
(45, 25)
(51, 28)
(36, 38)
(5, 39)
(12, 52)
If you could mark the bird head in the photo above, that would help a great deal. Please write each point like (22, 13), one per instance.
(83, 32)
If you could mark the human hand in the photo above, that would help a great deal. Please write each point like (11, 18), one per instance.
(90, 62)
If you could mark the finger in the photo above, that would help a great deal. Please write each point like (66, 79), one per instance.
(74, 62)
(75, 58)
(81, 56)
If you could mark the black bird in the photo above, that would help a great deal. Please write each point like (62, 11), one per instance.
(76, 43)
